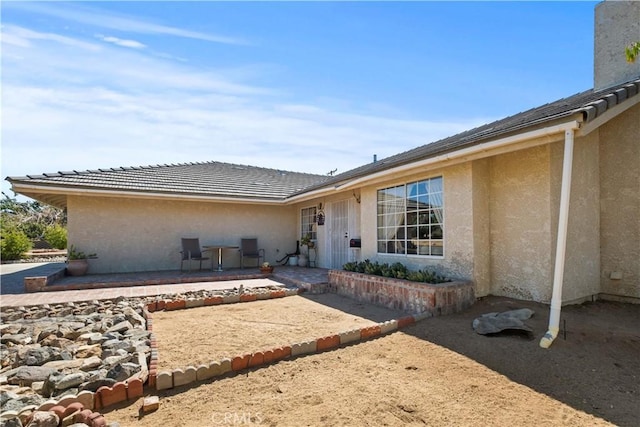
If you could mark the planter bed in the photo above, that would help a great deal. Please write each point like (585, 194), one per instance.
(397, 294)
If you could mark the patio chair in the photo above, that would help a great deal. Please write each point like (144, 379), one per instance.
(249, 249)
(191, 252)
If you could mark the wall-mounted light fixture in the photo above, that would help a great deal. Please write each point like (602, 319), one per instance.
(320, 215)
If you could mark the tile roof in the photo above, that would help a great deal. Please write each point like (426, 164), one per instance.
(209, 179)
(590, 104)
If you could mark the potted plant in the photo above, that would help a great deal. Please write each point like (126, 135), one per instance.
(306, 241)
(77, 264)
(266, 268)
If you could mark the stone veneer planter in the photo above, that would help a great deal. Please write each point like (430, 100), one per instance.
(412, 297)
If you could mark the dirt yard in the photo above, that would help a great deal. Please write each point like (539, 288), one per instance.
(438, 372)
(200, 335)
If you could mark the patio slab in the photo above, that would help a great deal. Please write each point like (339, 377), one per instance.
(107, 286)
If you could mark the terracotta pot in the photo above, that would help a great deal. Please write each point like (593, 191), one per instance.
(266, 270)
(77, 267)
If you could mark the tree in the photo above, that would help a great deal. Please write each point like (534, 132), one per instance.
(31, 217)
(632, 51)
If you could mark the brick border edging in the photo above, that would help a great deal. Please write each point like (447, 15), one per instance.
(182, 377)
(254, 294)
(78, 408)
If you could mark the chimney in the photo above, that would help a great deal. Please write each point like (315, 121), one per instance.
(375, 158)
(617, 24)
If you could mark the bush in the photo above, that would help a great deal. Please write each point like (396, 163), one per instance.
(56, 236)
(396, 270)
(14, 244)
(32, 230)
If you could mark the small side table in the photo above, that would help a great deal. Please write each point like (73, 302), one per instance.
(219, 248)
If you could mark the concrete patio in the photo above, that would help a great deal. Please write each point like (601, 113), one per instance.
(106, 286)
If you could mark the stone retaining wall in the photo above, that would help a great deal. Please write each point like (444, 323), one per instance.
(396, 294)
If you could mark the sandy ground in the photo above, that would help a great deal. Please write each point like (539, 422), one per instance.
(235, 329)
(438, 372)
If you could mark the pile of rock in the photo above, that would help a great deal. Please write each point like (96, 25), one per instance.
(54, 350)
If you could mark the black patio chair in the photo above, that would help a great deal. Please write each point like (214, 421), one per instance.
(191, 252)
(249, 249)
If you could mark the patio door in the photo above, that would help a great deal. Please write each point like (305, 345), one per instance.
(339, 233)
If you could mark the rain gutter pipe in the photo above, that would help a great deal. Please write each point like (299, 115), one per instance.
(561, 243)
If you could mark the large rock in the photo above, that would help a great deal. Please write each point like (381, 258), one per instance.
(90, 363)
(65, 364)
(19, 339)
(494, 323)
(26, 375)
(40, 356)
(70, 380)
(133, 317)
(123, 371)
(86, 351)
(121, 327)
(44, 419)
(115, 345)
(21, 401)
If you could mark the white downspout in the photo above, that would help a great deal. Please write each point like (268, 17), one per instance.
(561, 244)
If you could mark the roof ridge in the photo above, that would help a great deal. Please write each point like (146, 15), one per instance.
(160, 166)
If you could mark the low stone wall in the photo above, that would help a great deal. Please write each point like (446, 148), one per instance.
(396, 294)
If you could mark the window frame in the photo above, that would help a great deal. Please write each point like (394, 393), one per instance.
(309, 222)
(408, 215)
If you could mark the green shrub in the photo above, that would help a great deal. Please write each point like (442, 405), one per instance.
(32, 230)
(56, 236)
(14, 244)
(396, 270)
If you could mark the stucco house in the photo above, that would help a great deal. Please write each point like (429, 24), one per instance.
(545, 201)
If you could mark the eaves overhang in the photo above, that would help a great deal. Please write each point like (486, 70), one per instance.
(57, 195)
(514, 141)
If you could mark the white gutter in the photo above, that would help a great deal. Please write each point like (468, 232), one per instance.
(466, 152)
(561, 244)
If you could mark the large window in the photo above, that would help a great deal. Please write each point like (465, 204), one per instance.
(410, 218)
(308, 223)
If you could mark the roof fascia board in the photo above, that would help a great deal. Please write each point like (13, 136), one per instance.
(311, 195)
(611, 113)
(535, 137)
(45, 189)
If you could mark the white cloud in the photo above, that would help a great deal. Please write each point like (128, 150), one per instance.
(103, 19)
(22, 37)
(121, 42)
(68, 107)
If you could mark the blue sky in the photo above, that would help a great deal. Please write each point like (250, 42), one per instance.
(303, 86)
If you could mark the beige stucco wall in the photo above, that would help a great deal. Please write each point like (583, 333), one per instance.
(521, 261)
(481, 227)
(619, 151)
(144, 235)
